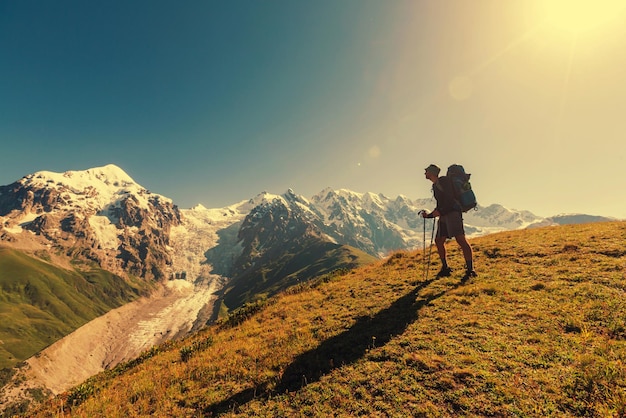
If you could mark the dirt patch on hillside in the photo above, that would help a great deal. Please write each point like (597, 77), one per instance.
(120, 335)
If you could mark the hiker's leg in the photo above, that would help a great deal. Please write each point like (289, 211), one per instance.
(467, 251)
(440, 240)
(441, 250)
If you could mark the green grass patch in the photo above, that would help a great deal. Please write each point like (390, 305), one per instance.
(40, 303)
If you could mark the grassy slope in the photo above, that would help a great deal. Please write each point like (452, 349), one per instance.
(296, 264)
(541, 332)
(40, 303)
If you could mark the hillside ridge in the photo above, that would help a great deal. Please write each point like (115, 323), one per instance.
(540, 332)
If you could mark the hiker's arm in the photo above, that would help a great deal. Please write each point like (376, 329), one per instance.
(432, 214)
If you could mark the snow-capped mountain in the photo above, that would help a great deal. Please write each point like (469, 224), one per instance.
(280, 242)
(375, 223)
(371, 222)
(100, 214)
(201, 230)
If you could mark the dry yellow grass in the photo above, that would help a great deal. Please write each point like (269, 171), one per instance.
(541, 332)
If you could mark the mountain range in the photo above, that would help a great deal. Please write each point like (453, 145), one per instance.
(103, 216)
(103, 227)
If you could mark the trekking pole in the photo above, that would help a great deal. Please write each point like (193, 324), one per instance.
(424, 249)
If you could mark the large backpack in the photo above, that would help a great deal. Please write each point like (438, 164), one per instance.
(463, 192)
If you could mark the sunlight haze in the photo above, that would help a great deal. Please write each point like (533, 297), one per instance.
(214, 102)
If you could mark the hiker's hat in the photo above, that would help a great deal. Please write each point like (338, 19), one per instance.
(433, 169)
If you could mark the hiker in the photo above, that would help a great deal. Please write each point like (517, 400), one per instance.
(450, 224)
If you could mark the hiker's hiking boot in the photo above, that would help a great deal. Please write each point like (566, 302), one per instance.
(444, 272)
(468, 274)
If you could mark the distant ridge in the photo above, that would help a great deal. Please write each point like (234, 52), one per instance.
(572, 218)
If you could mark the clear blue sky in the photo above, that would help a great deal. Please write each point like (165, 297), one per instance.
(213, 102)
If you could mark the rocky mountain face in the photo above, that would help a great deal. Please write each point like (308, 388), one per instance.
(281, 242)
(269, 228)
(99, 215)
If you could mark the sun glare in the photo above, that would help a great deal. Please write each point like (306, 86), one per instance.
(577, 16)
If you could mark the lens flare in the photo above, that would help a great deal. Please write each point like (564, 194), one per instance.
(461, 88)
(577, 16)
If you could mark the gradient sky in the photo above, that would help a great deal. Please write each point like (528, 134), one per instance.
(213, 102)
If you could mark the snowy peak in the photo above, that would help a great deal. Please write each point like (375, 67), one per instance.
(269, 198)
(198, 208)
(497, 216)
(95, 188)
(109, 176)
(357, 201)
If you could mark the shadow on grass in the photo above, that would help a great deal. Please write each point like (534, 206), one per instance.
(343, 349)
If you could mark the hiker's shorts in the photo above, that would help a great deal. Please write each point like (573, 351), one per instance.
(450, 225)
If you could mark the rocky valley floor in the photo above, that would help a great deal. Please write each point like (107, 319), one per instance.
(120, 335)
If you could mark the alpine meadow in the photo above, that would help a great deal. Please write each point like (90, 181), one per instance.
(541, 332)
